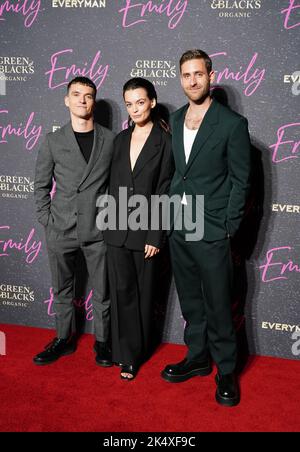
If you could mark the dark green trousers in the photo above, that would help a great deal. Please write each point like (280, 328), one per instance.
(203, 278)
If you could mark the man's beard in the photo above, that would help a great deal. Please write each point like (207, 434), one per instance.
(202, 96)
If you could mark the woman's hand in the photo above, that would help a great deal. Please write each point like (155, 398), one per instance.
(150, 251)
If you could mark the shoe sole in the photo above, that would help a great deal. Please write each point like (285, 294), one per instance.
(227, 402)
(45, 363)
(185, 377)
(104, 364)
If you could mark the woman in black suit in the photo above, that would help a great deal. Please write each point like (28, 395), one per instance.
(142, 165)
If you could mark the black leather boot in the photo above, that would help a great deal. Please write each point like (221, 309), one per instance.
(227, 393)
(103, 354)
(54, 350)
(177, 373)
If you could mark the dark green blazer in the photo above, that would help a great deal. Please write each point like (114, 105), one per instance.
(218, 167)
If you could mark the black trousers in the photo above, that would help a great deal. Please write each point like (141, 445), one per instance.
(132, 292)
(203, 278)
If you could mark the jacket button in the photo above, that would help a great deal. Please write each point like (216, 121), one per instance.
(184, 178)
(131, 189)
(78, 191)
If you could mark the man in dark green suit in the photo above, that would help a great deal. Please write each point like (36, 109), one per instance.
(211, 148)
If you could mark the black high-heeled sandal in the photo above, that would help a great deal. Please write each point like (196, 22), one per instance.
(128, 369)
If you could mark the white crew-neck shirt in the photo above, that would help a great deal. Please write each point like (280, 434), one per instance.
(188, 141)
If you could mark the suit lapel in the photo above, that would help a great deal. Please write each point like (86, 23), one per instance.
(207, 127)
(177, 140)
(96, 151)
(149, 150)
(73, 145)
(125, 152)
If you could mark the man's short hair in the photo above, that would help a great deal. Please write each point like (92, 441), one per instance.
(196, 54)
(84, 81)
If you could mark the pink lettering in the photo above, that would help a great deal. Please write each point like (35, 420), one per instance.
(274, 270)
(29, 132)
(86, 304)
(29, 9)
(125, 125)
(30, 247)
(49, 302)
(250, 77)
(2, 343)
(60, 73)
(174, 9)
(290, 11)
(79, 303)
(53, 189)
(285, 149)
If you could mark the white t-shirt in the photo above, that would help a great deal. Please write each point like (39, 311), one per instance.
(188, 141)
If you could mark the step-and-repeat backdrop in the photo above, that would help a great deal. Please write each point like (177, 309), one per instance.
(254, 45)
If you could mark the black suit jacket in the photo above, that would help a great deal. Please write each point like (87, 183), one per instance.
(151, 175)
(219, 168)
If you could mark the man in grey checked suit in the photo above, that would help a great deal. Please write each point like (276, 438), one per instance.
(78, 158)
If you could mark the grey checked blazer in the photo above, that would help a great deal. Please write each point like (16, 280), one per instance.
(72, 211)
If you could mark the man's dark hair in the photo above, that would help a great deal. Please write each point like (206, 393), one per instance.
(196, 54)
(84, 81)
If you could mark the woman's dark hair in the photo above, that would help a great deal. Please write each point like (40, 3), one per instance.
(139, 82)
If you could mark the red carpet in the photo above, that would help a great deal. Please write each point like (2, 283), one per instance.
(74, 394)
